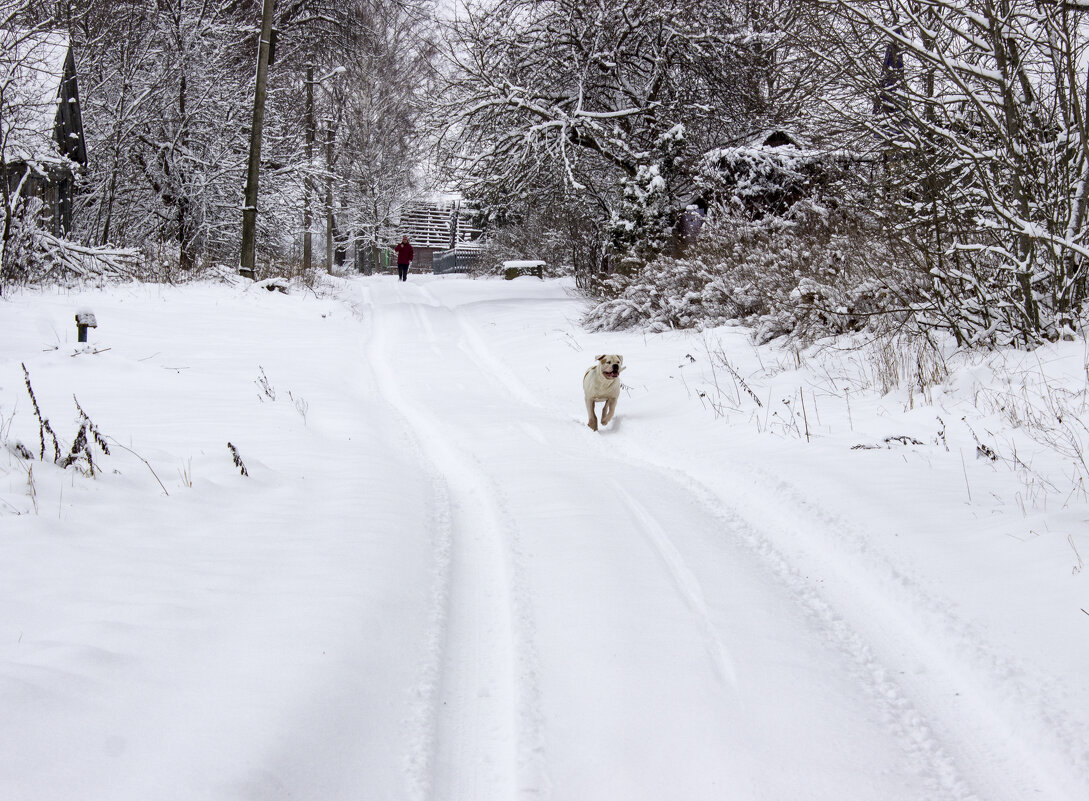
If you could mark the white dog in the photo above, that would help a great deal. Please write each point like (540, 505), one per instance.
(602, 383)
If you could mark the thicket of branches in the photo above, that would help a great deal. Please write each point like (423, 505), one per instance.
(981, 122)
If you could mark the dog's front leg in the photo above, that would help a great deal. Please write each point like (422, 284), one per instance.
(592, 422)
(607, 411)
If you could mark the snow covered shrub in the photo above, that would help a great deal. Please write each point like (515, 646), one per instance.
(21, 260)
(807, 274)
(787, 246)
(760, 180)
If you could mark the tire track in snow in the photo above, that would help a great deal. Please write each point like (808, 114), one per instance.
(478, 704)
(903, 718)
(419, 761)
(923, 729)
(688, 586)
(905, 721)
(474, 346)
(1004, 678)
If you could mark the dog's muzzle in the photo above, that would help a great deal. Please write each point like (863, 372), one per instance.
(613, 373)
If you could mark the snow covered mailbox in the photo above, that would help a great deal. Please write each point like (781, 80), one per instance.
(41, 128)
(514, 269)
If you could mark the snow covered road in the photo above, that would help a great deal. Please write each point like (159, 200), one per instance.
(610, 632)
(604, 635)
(438, 584)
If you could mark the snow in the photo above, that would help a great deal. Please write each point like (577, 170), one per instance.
(437, 582)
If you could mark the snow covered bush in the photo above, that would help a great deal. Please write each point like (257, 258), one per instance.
(777, 251)
(806, 276)
(20, 260)
(760, 180)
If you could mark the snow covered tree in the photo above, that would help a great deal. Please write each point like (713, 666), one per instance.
(587, 93)
(41, 139)
(977, 110)
(165, 109)
(382, 101)
(168, 96)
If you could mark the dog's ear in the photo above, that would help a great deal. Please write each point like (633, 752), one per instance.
(599, 358)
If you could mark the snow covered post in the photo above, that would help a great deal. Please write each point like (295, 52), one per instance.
(84, 320)
(249, 208)
(329, 221)
(308, 186)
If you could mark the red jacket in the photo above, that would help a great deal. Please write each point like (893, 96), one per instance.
(404, 252)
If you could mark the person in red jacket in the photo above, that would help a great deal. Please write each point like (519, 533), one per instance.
(404, 258)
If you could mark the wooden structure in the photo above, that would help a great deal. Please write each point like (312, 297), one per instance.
(41, 127)
(436, 226)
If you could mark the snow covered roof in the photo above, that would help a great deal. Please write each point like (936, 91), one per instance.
(435, 223)
(32, 71)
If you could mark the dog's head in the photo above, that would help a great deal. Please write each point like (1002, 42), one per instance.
(610, 365)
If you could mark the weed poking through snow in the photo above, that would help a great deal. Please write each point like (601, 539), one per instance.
(87, 435)
(301, 406)
(266, 388)
(237, 459)
(43, 422)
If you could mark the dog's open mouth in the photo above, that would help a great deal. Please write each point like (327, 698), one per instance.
(615, 373)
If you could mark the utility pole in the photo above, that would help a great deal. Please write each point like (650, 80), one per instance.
(249, 209)
(329, 199)
(308, 244)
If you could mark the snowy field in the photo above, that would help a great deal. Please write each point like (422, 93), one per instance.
(768, 578)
